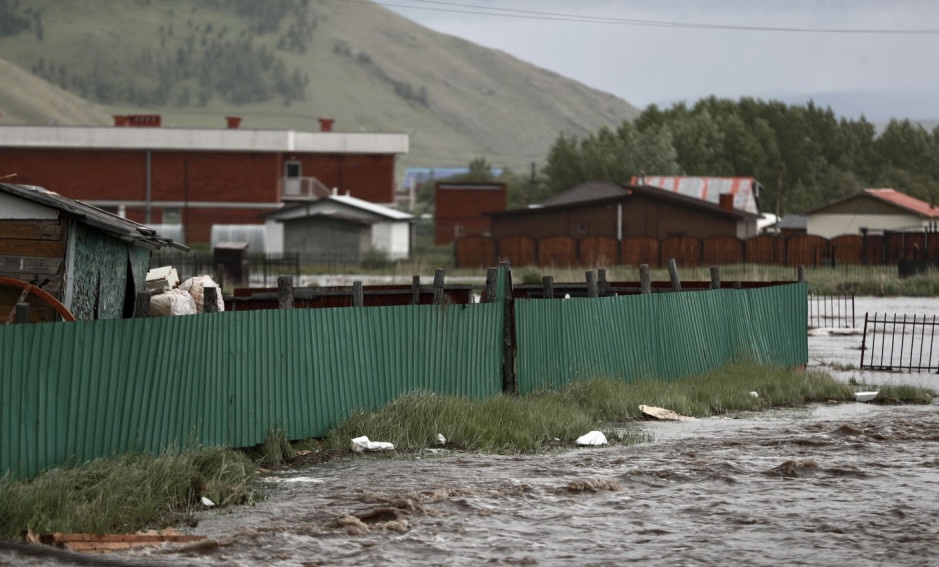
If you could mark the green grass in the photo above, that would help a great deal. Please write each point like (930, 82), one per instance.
(533, 422)
(125, 494)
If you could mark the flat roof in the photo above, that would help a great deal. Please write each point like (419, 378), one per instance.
(200, 139)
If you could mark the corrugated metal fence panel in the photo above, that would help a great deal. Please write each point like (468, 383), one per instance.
(97, 388)
(665, 335)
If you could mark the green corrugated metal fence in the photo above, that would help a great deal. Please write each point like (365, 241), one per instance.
(665, 335)
(97, 388)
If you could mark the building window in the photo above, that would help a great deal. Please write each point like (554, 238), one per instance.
(582, 228)
(171, 215)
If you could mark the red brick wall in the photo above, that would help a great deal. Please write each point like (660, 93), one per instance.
(459, 211)
(224, 177)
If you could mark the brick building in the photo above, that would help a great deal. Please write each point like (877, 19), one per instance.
(199, 177)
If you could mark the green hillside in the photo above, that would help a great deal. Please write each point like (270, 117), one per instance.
(283, 64)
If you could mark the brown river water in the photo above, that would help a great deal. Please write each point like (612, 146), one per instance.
(846, 484)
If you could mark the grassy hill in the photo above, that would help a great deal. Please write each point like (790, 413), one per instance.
(283, 64)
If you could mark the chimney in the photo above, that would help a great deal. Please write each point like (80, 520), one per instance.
(326, 124)
(233, 121)
(726, 202)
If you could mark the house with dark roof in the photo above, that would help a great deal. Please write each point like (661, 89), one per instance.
(600, 208)
(76, 260)
(873, 211)
(340, 229)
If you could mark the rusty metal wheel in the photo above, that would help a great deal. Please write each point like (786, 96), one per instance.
(27, 290)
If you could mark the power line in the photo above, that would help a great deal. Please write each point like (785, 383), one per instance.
(460, 8)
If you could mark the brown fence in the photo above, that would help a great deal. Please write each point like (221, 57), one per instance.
(768, 249)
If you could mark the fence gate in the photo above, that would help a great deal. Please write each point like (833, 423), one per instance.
(899, 343)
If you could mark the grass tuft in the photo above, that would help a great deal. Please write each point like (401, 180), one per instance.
(125, 494)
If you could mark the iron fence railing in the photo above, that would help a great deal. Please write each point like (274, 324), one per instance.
(899, 343)
(259, 270)
(831, 311)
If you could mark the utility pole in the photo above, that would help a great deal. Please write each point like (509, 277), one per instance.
(779, 192)
(531, 185)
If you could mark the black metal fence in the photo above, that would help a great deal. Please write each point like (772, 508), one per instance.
(260, 270)
(831, 311)
(900, 343)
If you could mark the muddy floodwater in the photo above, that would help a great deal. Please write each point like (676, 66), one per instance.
(847, 484)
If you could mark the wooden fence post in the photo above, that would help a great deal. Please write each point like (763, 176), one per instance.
(284, 292)
(645, 280)
(22, 313)
(415, 290)
(509, 379)
(489, 294)
(548, 283)
(715, 277)
(591, 284)
(142, 305)
(673, 274)
(801, 273)
(603, 286)
(210, 300)
(358, 296)
(438, 286)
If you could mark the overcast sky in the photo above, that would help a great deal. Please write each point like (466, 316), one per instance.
(879, 74)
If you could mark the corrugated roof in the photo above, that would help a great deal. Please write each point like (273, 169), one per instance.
(904, 201)
(120, 227)
(317, 207)
(744, 189)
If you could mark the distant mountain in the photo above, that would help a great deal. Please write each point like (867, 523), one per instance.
(283, 64)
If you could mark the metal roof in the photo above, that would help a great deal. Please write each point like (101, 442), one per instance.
(321, 207)
(744, 189)
(904, 201)
(200, 139)
(122, 228)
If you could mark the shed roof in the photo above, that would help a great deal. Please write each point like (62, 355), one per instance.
(322, 207)
(744, 189)
(600, 192)
(119, 227)
(890, 197)
(904, 201)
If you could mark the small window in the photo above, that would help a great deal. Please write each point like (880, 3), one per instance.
(171, 215)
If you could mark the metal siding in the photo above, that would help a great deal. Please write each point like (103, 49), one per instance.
(664, 335)
(97, 388)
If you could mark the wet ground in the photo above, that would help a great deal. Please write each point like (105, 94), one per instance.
(839, 484)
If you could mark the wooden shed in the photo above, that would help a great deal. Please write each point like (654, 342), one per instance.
(60, 254)
(599, 208)
(342, 229)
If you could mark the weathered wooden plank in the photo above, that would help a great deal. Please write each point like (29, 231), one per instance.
(31, 230)
(45, 283)
(22, 267)
(37, 248)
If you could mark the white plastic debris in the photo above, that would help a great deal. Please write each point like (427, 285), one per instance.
(441, 439)
(866, 396)
(360, 444)
(593, 438)
(207, 503)
(754, 395)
